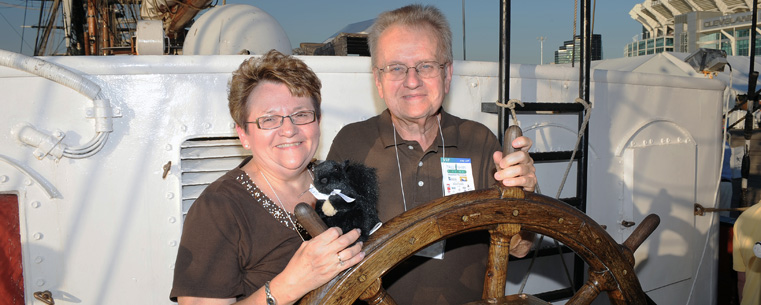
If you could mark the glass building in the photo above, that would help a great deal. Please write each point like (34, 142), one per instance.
(565, 53)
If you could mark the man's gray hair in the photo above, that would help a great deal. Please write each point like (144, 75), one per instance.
(415, 16)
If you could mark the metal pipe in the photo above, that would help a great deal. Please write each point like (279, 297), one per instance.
(748, 132)
(504, 68)
(584, 88)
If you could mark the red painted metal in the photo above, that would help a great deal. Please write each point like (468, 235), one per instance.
(11, 275)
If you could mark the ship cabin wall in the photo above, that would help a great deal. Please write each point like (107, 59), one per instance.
(105, 229)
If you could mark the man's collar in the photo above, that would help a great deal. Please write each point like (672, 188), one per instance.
(448, 128)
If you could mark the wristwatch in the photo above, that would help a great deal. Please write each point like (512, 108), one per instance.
(270, 299)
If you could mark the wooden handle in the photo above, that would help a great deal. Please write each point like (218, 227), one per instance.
(309, 219)
(642, 231)
(511, 133)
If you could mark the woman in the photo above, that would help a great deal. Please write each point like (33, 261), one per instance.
(240, 241)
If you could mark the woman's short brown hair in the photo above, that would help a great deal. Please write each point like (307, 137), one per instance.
(271, 67)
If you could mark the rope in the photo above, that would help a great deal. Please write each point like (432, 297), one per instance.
(587, 115)
(511, 105)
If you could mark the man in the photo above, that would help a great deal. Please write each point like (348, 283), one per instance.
(409, 143)
(745, 260)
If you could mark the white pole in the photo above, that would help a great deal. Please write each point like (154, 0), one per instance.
(541, 49)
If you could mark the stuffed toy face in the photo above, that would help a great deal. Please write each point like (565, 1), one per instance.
(347, 195)
(331, 176)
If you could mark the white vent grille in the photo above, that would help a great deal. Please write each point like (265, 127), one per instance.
(204, 160)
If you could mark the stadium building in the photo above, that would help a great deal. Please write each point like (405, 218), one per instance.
(687, 25)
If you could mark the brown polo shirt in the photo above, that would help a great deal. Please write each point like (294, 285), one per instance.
(458, 278)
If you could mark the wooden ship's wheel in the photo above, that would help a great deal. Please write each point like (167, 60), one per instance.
(503, 212)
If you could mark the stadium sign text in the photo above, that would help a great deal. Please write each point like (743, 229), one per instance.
(727, 21)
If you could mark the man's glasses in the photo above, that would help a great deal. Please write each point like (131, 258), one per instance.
(426, 69)
(274, 121)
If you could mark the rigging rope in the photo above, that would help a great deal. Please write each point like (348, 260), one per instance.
(587, 114)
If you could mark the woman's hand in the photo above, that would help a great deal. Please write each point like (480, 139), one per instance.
(517, 169)
(315, 263)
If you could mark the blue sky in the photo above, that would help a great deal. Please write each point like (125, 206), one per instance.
(314, 21)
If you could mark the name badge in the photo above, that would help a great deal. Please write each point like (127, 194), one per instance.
(457, 175)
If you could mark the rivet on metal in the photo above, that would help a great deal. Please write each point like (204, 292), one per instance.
(35, 204)
(172, 220)
(206, 125)
(171, 267)
(39, 259)
(173, 243)
(27, 182)
(40, 282)
(37, 236)
(515, 213)
(183, 128)
(168, 147)
(169, 195)
(232, 125)
(3, 179)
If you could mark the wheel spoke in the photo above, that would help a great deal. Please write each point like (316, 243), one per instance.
(496, 267)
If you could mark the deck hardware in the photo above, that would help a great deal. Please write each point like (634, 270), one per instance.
(362, 278)
(465, 218)
(627, 223)
(625, 272)
(45, 297)
(167, 167)
(515, 213)
(412, 240)
(701, 211)
(560, 220)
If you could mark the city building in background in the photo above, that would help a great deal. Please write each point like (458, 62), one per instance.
(570, 50)
(686, 26)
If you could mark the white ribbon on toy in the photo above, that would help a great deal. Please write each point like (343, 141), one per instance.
(321, 196)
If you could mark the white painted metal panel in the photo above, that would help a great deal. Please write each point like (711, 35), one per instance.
(104, 229)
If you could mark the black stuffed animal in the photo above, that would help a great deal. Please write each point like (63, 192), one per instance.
(352, 196)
